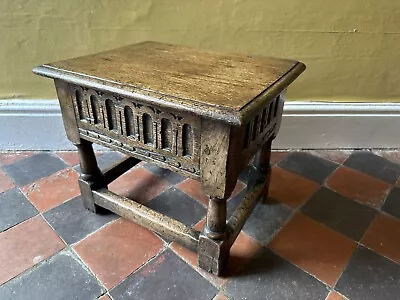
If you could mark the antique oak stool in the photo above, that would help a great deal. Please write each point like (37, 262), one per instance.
(202, 114)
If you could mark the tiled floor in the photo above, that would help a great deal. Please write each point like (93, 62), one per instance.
(329, 230)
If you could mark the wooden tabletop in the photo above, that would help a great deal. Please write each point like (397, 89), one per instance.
(177, 74)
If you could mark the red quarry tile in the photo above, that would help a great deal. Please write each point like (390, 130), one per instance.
(241, 252)
(338, 156)
(5, 182)
(193, 188)
(138, 184)
(25, 245)
(70, 157)
(105, 297)
(7, 158)
(289, 188)
(53, 190)
(358, 186)
(383, 237)
(200, 225)
(117, 250)
(277, 156)
(335, 296)
(314, 248)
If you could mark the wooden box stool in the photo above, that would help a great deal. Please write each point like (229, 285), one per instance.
(202, 114)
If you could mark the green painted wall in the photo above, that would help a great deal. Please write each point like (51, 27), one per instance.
(351, 47)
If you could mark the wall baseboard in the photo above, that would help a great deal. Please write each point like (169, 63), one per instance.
(37, 125)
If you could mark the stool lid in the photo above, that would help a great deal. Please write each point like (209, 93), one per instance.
(212, 84)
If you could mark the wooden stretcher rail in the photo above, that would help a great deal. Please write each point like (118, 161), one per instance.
(142, 215)
(119, 168)
(243, 211)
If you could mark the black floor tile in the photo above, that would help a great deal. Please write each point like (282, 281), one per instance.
(370, 276)
(73, 222)
(266, 218)
(178, 205)
(392, 203)
(62, 277)
(270, 277)
(339, 213)
(166, 277)
(105, 160)
(33, 168)
(14, 208)
(171, 177)
(312, 167)
(374, 165)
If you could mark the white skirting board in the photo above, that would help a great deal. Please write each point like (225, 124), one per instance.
(37, 125)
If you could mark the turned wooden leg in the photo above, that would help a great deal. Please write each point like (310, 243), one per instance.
(90, 177)
(213, 252)
(216, 219)
(262, 164)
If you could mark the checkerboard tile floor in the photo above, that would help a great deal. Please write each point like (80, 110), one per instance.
(330, 229)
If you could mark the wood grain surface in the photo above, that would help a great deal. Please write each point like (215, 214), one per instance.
(212, 78)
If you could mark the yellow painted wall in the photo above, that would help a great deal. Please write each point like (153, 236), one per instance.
(351, 47)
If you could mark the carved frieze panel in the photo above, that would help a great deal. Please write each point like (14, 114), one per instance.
(158, 133)
(261, 127)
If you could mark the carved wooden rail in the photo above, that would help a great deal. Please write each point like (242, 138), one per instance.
(262, 127)
(141, 129)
